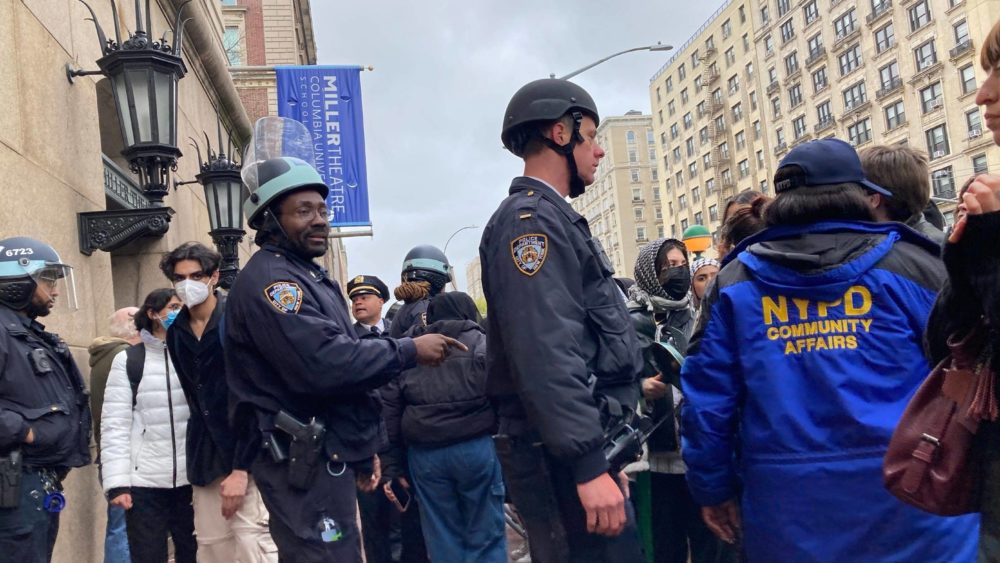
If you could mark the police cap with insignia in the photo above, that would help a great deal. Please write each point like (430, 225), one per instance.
(367, 285)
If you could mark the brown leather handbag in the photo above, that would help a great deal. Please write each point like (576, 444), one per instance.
(933, 462)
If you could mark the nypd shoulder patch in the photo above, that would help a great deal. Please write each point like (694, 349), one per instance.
(529, 252)
(285, 296)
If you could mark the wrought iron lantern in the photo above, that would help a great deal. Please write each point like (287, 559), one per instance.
(143, 76)
(224, 196)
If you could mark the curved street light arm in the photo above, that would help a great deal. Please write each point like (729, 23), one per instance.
(657, 47)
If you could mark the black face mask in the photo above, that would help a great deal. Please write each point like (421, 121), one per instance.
(675, 281)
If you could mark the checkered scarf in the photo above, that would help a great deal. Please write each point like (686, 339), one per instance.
(647, 290)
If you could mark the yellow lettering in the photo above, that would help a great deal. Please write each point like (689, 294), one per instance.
(785, 331)
(850, 308)
(772, 333)
(821, 343)
(790, 348)
(772, 309)
(868, 324)
(822, 307)
(803, 306)
(838, 341)
(852, 342)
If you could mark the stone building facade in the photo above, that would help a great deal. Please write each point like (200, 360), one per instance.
(761, 76)
(623, 204)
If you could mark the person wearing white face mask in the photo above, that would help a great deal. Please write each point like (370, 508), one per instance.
(230, 518)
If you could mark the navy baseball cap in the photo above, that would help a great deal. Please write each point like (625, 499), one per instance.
(825, 162)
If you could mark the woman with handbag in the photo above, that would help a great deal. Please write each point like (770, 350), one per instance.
(970, 301)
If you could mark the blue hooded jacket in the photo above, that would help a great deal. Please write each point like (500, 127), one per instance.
(808, 351)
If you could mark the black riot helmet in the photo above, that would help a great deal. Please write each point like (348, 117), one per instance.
(540, 103)
(26, 262)
(427, 263)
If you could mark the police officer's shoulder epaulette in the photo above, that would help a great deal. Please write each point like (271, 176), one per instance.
(527, 203)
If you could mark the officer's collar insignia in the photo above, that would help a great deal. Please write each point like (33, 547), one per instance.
(529, 252)
(285, 296)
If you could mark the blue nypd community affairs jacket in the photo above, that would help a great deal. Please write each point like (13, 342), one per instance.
(808, 351)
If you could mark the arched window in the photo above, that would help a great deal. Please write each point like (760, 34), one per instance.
(630, 137)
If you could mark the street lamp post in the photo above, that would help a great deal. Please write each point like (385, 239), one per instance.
(455, 233)
(658, 47)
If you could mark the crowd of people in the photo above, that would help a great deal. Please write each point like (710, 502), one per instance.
(262, 424)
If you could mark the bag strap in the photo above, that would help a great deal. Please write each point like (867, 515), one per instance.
(135, 359)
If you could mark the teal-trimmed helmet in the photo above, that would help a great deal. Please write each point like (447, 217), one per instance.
(24, 264)
(427, 263)
(279, 160)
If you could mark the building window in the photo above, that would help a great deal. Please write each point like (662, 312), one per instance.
(779, 137)
(799, 125)
(724, 150)
(895, 116)
(746, 43)
(710, 185)
(727, 29)
(697, 218)
(692, 170)
(885, 37)
(741, 140)
(860, 132)
(681, 72)
(744, 168)
(680, 179)
(760, 159)
(688, 122)
(713, 213)
(920, 15)
(776, 107)
(677, 154)
(710, 42)
(819, 80)
(630, 137)
(889, 75)
(636, 194)
(768, 46)
(652, 153)
(671, 107)
(974, 123)
(844, 24)
(783, 7)
(794, 96)
(669, 84)
(655, 176)
(695, 195)
(787, 31)
(750, 71)
(850, 59)
(684, 96)
(674, 132)
(694, 59)
(763, 186)
(634, 173)
(737, 112)
(943, 181)
(810, 12)
(706, 160)
(684, 225)
(753, 101)
(765, 15)
(855, 95)
(979, 165)
(937, 141)
(689, 144)
(640, 232)
(703, 135)
(638, 213)
(931, 98)
(682, 202)
(815, 43)
(233, 45)
(968, 76)
(633, 156)
(734, 84)
(791, 63)
(961, 32)
(743, 15)
(756, 130)
(925, 55)
(730, 57)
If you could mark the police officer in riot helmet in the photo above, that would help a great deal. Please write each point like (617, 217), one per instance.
(45, 419)
(562, 364)
(302, 382)
(425, 273)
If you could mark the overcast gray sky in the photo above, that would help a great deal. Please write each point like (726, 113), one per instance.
(444, 71)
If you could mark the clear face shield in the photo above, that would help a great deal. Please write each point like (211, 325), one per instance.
(275, 137)
(55, 287)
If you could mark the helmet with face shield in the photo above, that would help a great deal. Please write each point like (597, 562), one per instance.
(27, 264)
(279, 160)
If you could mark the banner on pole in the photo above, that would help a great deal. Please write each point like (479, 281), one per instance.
(327, 100)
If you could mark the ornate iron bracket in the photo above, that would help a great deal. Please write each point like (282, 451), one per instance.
(110, 230)
(228, 241)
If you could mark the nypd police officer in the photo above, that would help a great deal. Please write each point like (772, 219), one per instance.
(562, 358)
(425, 273)
(299, 375)
(45, 420)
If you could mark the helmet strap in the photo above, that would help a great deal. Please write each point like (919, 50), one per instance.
(576, 187)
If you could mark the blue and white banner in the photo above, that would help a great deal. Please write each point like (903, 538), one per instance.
(327, 100)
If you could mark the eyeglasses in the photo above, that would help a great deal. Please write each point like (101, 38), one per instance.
(307, 213)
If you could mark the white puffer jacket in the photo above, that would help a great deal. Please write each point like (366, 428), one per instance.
(144, 447)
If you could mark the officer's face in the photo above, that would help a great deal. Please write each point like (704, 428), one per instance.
(588, 154)
(304, 217)
(366, 308)
(44, 298)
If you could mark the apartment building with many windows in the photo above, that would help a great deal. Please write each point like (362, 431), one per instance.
(708, 120)
(623, 204)
(866, 71)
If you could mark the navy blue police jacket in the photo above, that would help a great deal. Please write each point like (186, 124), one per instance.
(558, 331)
(291, 346)
(46, 395)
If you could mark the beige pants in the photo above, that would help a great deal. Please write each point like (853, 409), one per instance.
(244, 538)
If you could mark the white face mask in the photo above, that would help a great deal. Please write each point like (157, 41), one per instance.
(192, 293)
